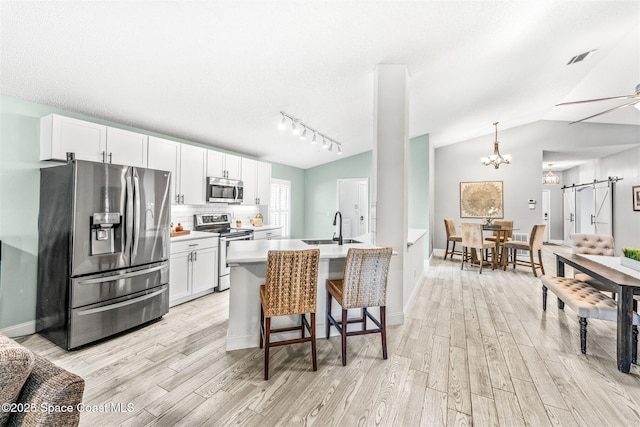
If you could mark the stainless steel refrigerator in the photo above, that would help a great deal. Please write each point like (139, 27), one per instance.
(103, 250)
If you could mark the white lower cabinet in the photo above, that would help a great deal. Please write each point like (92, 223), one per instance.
(193, 269)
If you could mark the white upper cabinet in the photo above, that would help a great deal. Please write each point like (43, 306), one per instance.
(221, 165)
(164, 154)
(193, 168)
(126, 148)
(263, 183)
(256, 178)
(187, 164)
(60, 135)
(249, 196)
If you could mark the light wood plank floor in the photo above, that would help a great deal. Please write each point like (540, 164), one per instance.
(474, 350)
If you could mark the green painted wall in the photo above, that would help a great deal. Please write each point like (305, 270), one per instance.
(297, 178)
(19, 200)
(321, 187)
(419, 184)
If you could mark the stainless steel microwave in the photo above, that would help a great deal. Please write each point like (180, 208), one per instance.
(223, 190)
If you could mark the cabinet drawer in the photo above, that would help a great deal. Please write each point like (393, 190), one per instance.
(273, 233)
(191, 245)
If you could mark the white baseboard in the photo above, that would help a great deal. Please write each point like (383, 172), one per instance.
(27, 328)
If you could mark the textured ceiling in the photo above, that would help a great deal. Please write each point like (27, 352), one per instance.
(219, 72)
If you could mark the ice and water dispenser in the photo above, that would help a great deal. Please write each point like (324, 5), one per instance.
(105, 235)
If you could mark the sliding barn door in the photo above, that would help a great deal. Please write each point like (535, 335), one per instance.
(603, 208)
(569, 215)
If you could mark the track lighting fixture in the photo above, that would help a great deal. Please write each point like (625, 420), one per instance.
(297, 126)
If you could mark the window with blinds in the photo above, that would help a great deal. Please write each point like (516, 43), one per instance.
(280, 206)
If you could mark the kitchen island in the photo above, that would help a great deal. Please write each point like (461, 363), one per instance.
(248, 259)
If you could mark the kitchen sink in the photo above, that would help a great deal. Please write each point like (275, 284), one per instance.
(328, 241)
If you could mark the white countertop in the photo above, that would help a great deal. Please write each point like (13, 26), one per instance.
(194, 235)
(252, 251)
(247, 226)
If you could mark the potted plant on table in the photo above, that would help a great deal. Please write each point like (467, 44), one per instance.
(631, 258)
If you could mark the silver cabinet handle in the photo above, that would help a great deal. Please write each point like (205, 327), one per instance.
(195, 256)
(104, 157)
(110, 157)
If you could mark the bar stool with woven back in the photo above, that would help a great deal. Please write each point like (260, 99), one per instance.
(290, 288)
(363, 285)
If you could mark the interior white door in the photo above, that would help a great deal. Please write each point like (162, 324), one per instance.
(363, 218)
(569, 214)
(352, 203)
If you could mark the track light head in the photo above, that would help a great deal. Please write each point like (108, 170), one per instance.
(339, 151)
(313, 141)
(331, 146)
(294, 129)
(324, 143)
(283, 122)
(303, 135)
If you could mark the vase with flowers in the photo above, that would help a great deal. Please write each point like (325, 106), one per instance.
(490, 213)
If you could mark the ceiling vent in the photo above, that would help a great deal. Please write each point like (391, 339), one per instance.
(581, 57)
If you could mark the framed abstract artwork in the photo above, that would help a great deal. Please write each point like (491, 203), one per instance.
(636, 197)
(481, 199)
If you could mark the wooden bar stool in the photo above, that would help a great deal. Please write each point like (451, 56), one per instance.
(363, 285)
(450, 228)
(290, 288)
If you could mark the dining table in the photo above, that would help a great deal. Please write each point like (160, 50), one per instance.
(500, 232)
(622, 280)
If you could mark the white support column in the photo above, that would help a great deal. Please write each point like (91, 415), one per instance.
(390, 182)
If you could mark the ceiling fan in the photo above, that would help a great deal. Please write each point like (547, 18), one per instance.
(635, 97)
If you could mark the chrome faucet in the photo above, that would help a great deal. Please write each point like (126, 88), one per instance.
(334, 223)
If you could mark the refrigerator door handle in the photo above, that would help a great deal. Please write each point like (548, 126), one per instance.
(129, 215)
(122, 275)
(136, 198)
(121, 304)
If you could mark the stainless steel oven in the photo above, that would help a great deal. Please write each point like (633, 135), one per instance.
(221, 223)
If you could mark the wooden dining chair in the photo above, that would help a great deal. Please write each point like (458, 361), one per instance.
(533, 245)
(450, 228)
(290, 288)
(363, 285)
(472, 239)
